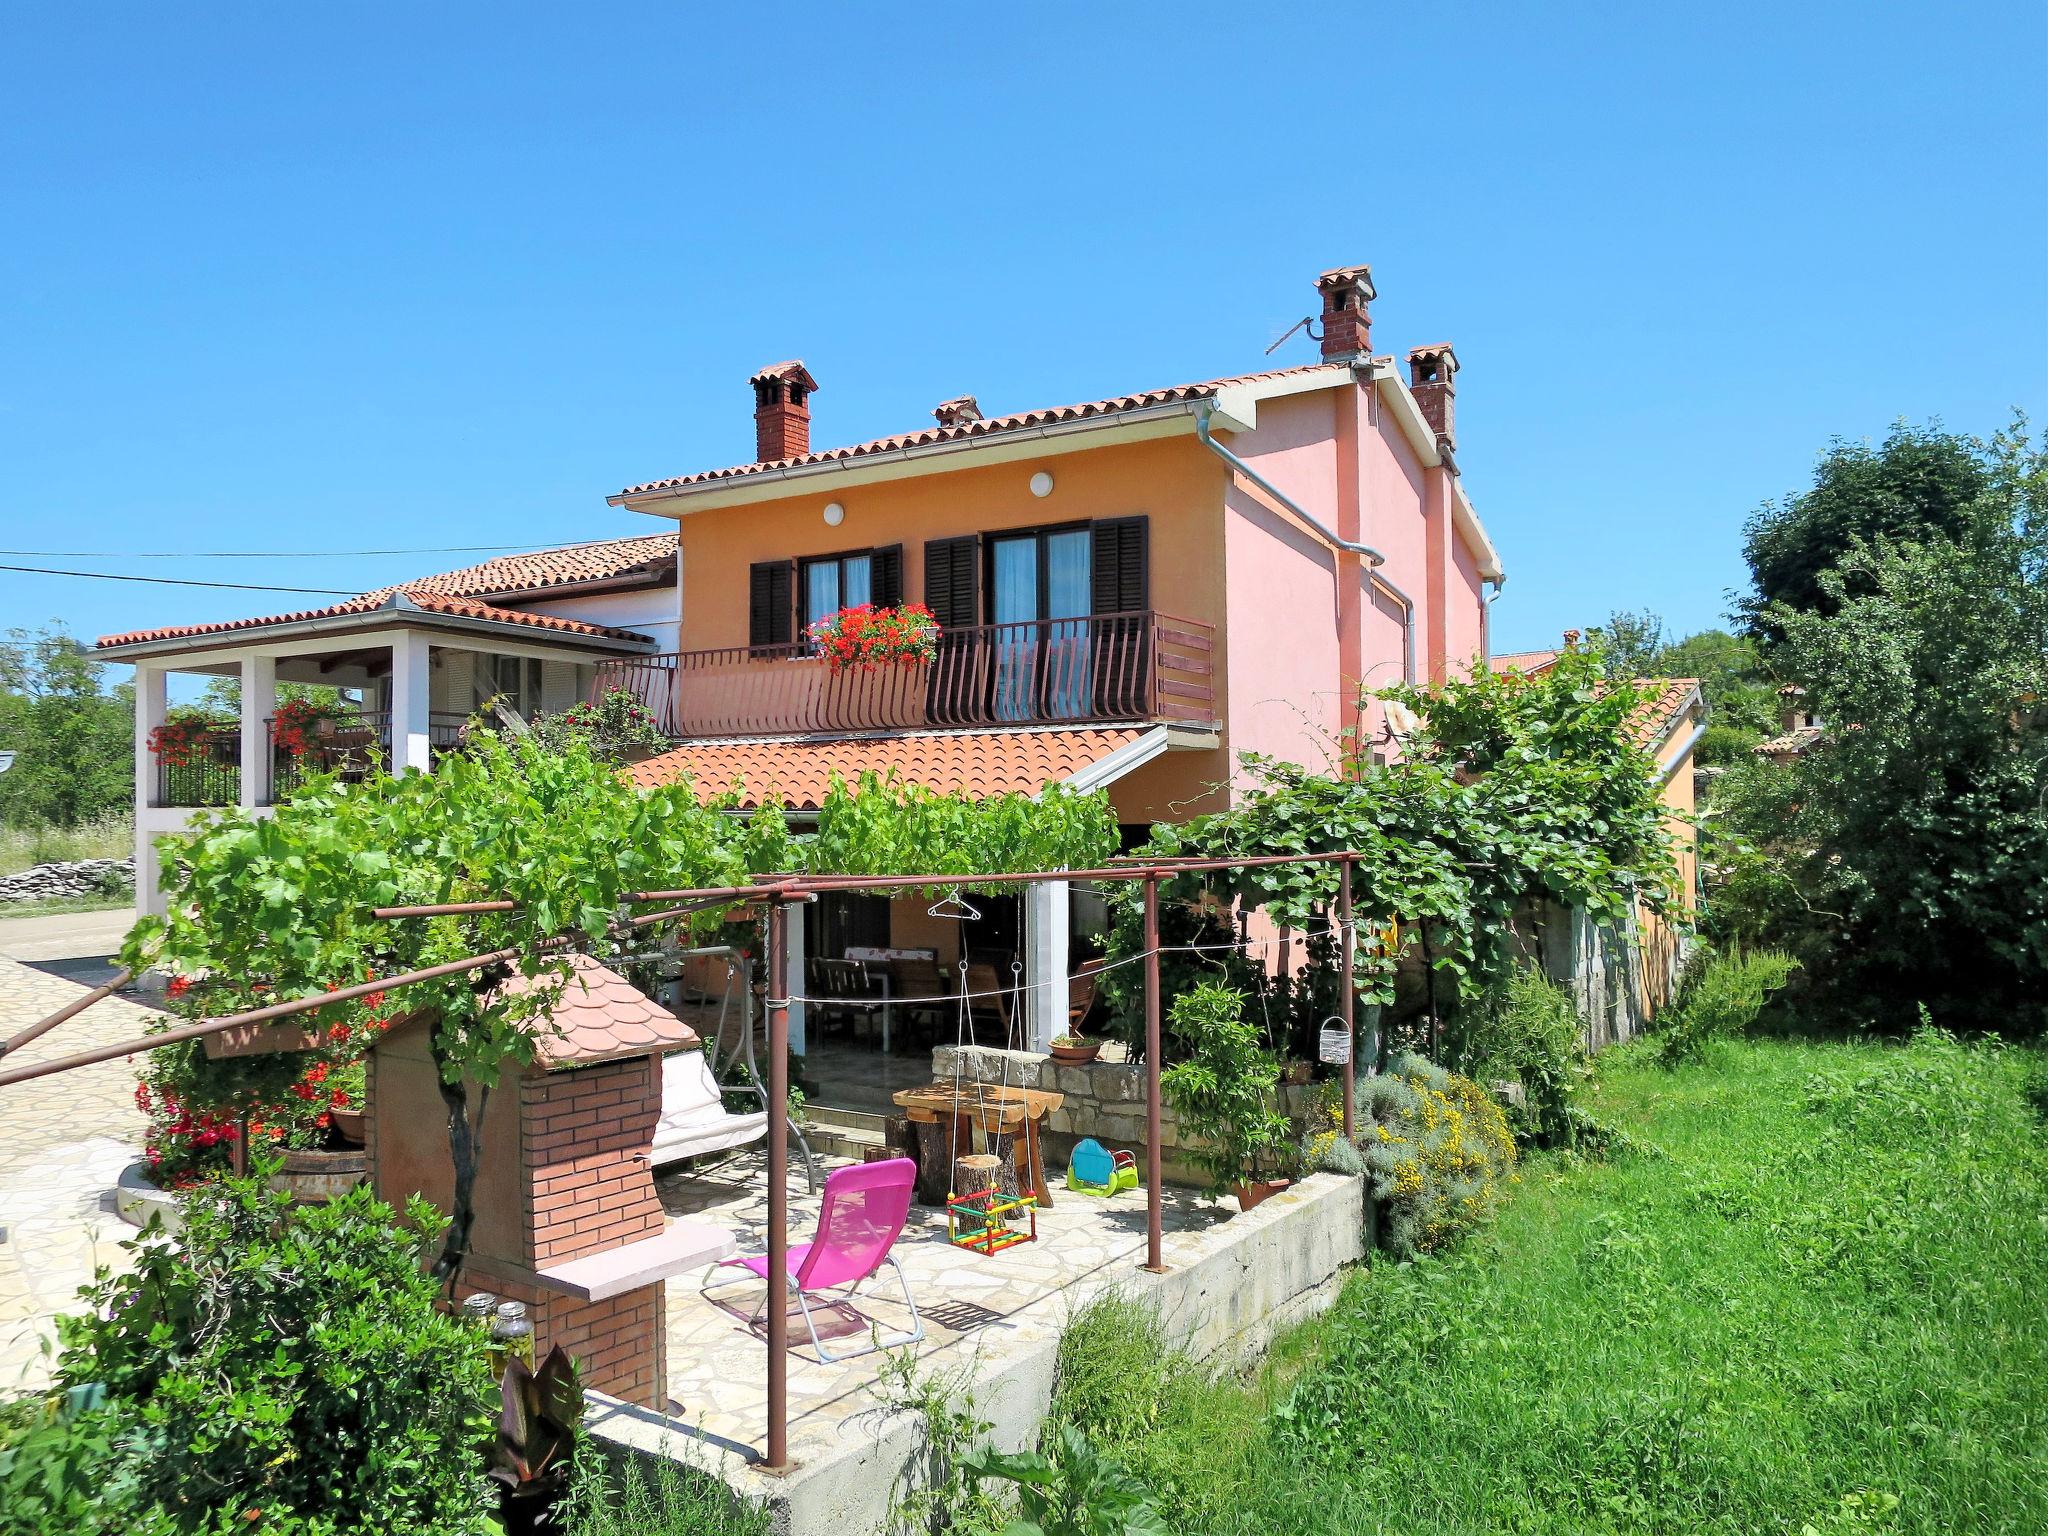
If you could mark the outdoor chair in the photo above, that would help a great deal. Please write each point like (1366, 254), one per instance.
(863, 1213)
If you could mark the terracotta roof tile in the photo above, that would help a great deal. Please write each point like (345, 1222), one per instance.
(1651, 719)
(798, 772)
(1523, 661)
(461, 593)
(600, 1016)
(1172, 395)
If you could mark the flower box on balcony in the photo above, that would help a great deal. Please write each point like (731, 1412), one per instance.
(864, 638)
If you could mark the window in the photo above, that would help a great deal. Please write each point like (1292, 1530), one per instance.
(834, 582)
(517, 680)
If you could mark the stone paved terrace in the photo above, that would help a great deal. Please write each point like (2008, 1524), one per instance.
(970, 1304)
(63, 1140)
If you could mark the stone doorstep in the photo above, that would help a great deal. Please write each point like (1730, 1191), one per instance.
(1228, 1289)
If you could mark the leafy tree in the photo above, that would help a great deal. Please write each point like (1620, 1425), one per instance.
(73, 737)
(1630, 642)
(1914, 834)
(222, 696)
(1920, 484)
(1740, 693)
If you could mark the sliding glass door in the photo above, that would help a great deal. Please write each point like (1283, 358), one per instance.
(1040, 598)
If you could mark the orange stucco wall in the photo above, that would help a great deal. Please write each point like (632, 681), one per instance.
(1171, 481)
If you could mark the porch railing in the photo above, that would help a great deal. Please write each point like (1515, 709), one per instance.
(347, 745)
(210, 772)
(1112, 666)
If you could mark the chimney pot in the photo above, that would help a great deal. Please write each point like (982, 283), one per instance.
(1431, 374)
(1347, 325)
(782, 411)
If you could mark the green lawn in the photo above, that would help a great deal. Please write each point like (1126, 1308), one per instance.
(1821, 1302)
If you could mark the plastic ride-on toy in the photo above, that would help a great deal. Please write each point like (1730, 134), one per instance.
(1095, 1170)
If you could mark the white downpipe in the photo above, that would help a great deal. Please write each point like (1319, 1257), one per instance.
(1372, 557)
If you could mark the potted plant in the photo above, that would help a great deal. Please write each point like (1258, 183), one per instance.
(1223, 1096)
(1075, 1050)
(536, 1441)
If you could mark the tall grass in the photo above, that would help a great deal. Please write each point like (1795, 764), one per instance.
(1821, 1309)
(111, 837)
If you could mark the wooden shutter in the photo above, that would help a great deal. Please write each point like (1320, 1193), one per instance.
(771, 600)
(1121, 576)
(885, 576)
(952, 581)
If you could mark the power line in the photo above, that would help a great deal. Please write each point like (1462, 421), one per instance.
(174, 581)
(279, 554)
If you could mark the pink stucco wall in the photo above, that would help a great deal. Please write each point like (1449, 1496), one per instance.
(1466, 613)
(1285, 695)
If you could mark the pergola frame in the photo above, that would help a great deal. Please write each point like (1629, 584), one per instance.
(778, 895)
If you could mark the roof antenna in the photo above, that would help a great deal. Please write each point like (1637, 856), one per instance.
(1301, 325)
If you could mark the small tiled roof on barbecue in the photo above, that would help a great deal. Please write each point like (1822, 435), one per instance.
(985, 427)
(600, 1016)
(797, 772)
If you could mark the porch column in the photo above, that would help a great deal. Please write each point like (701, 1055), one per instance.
(409, 711)
(149, 714)
(1046, 929)
(259, 702)
(793, 973)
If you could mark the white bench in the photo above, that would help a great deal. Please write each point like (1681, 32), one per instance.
(694, 1120)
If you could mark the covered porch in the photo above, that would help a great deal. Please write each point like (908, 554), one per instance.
(408, 680)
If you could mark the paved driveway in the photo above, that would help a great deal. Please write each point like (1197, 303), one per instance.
(63, 1140)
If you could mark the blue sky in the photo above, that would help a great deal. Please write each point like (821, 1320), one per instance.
(298, 278)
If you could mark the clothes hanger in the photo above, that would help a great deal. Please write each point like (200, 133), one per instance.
(953, 907)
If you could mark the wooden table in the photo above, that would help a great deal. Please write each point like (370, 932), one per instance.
(997, 1112)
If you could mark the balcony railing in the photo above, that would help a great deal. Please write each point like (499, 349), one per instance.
(347, 745)
(1111, 666)
(211, 773)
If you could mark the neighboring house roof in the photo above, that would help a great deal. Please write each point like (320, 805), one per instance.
(1523, 661)
(1791, 744)
(1652, 721)
(460, 594)
(798, 772)
(985, 427)
(600, 1016)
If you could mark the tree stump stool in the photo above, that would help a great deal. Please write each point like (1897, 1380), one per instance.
(977, 1172)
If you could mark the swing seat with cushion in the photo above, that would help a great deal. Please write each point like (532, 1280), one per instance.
(863, 1213)
(1095, 1170)
(694, 1120)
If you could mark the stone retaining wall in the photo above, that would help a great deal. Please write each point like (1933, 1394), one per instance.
(79, 877)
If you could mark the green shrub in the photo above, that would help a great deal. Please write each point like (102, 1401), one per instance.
(617, 727)
(73, 1464)
(1719, 997)
(661, 1499)
(291, 1360)
(1077, 1491)
(1720, 744)
(1524, 1029)
(1223, 1094)
(1437, 1149)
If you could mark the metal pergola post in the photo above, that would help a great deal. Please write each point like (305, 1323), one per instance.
(777, 1458)
(1155, 1259)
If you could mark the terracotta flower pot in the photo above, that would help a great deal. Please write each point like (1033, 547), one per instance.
(1076, 1055)
(348, 1125)
(1252, 1192)
(313, 1175)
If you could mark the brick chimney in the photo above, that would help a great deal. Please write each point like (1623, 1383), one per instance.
(782, 412)
(958, 411)
(1431, 373)
(1347, 328)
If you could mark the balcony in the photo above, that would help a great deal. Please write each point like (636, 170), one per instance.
(211, 772)
(1106, 667)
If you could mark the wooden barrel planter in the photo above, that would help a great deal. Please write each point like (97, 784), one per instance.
(314, 1175)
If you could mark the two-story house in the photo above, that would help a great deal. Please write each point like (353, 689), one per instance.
(1131, 592)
